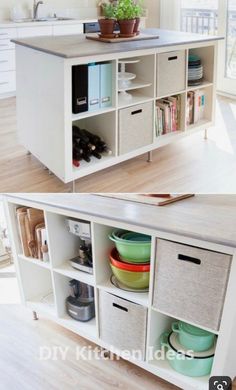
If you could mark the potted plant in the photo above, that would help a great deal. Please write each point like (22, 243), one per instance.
(107, 24)
(125, 15)
(138, 10)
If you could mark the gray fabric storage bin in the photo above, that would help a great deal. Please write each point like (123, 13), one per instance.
(171, 72)
(122, 323)
(136, 127)
(190, 283)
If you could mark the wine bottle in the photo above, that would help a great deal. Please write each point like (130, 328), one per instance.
(76, 163)
(94, 139)
(96, 154)
(87, 145)
(86, 158)
(79, 135)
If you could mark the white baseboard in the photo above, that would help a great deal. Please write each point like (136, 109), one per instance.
(225, 94)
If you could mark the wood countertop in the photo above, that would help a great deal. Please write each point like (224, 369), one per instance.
(76, 46)
(206, 217)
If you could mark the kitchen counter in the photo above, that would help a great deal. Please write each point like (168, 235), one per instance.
(79, 46)
(204, 217)
(9, 23)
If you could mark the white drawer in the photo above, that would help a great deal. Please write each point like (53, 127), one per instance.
(6, 44)
(71, 29)
(184, 277)
(7, 82)
(7, 60)
(135, 127)
(171, 72)
(8, 33)
(24, 32)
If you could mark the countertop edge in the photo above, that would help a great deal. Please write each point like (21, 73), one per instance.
(178, 232)
(13, 24)
(21, 42)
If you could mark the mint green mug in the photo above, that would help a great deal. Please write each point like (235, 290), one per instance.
(192, 337)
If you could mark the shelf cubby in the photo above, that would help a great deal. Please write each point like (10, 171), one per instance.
(207, 55)
(62, 291)
(99, 110)
(208, 115)
(181, 126)
(37, 286)
(102, 248)
(64, 247)
(160, 323)
(105, 127)
(142, 87)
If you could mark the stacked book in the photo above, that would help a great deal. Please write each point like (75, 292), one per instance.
(196, 102)
(168, 115)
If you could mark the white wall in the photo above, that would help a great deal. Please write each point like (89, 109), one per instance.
(77, 8)
(153, 7)
(81, 6)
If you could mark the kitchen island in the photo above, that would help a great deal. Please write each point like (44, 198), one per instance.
(203, 226)
(128, 126)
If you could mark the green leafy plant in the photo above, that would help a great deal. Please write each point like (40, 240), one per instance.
(125, 10)
(109, 11)
(138, 8)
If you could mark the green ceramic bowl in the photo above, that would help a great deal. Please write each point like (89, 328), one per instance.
(192, 337)
(136, 280)
(134, 252)
(190, 365)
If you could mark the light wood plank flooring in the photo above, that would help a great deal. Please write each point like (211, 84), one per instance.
(21, 368)
(190, 165)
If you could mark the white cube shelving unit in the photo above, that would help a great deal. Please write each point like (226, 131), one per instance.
(47, 96)
(44, 287)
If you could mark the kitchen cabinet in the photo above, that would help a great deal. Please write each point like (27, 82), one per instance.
(8, 60)
(69, 29)
(24, 32)
(129, 124)
(202, 227)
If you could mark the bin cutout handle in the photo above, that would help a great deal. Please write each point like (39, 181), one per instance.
(136, 112)
(172, 58)
(120, 307)
(189, 259)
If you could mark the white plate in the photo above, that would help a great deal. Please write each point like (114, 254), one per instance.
(174, 341)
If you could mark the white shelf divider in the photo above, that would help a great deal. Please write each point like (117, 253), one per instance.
(67, 270)
(37, 262)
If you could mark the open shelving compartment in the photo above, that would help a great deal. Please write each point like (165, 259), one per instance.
(208, 115)
(105, 127)
(141, 88)
(160, 323)
(64, 247)
(206, 87)
(99, 110)
(102, 248)
(62, 291)
(19, 243)
(37, 286)
(161, 137)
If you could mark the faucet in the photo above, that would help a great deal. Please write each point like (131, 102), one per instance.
(35, 8)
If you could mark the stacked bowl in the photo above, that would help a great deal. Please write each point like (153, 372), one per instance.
(192, 349)
(195, 70)
(130, 259)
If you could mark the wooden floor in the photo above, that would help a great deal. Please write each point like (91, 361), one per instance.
(21, 368)
(190, 165)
